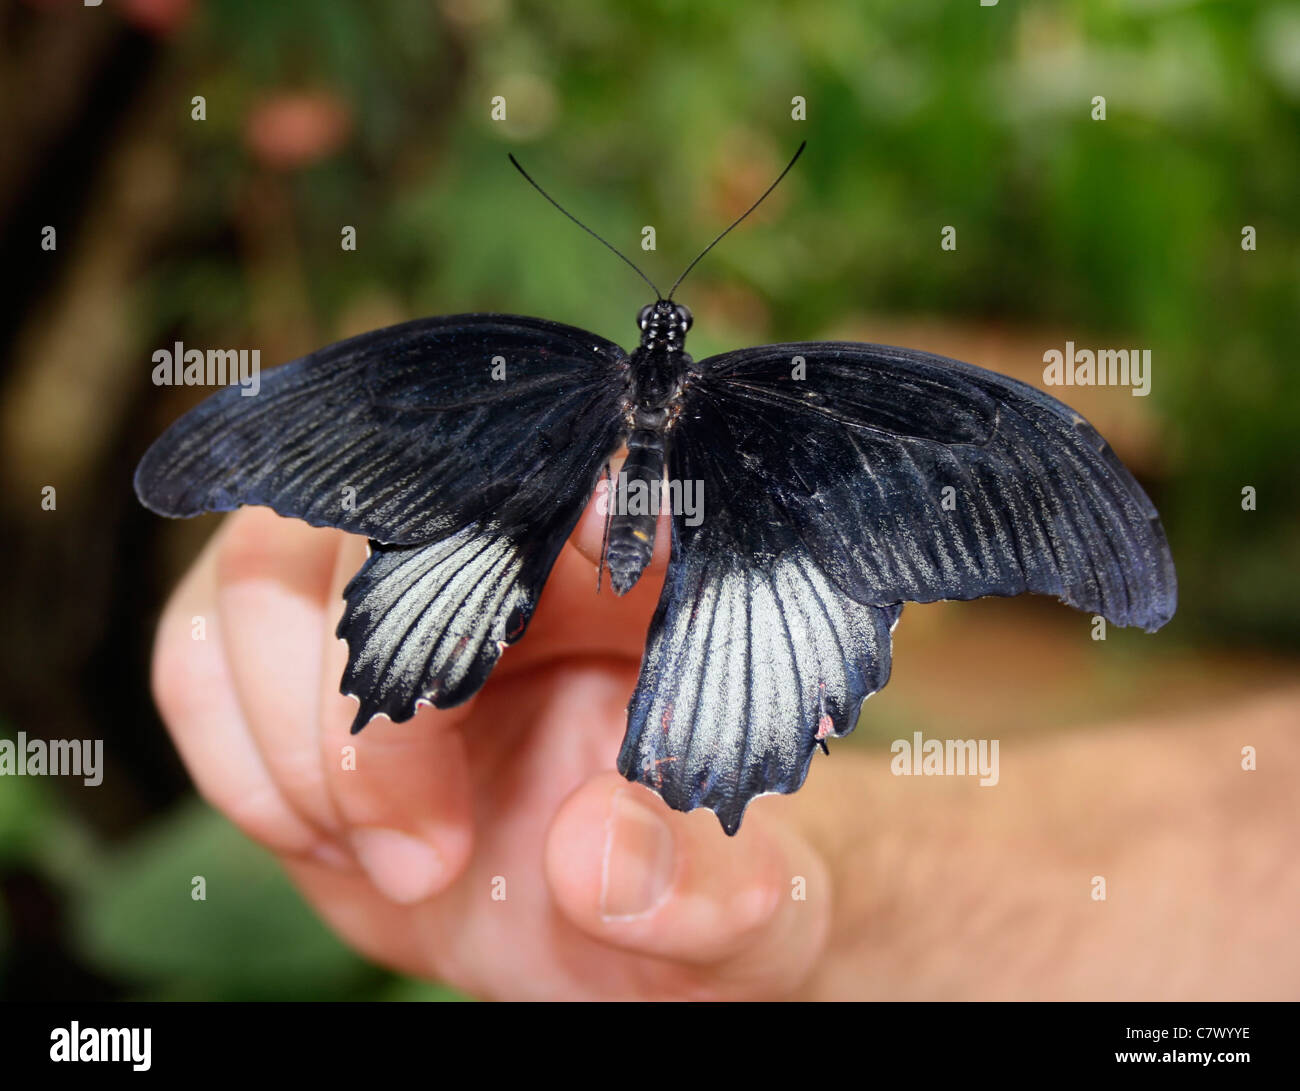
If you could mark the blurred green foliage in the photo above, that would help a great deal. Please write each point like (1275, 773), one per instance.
(664, 112)
(133, 917)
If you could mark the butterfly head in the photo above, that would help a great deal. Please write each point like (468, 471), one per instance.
(664, 325)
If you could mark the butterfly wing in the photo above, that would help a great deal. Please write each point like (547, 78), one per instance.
(464, 447)
(405, 434)
(427, 623)
(840, 480)
(750, 662)
(911, 477)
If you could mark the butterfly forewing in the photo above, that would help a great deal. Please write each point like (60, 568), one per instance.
(406, 434)
(910, 477)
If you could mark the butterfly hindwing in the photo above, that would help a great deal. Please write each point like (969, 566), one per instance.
(427, 623)
(405, 434)
(750, 663)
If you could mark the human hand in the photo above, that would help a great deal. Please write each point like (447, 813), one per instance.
(860, 885)
(491, 846)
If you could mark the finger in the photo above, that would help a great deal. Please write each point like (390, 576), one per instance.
(273, 588)
(402, 790)
(194, 691)
(573, 620)
(723, 917)
(589, 535)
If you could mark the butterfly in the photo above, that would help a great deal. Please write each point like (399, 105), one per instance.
(839, 480)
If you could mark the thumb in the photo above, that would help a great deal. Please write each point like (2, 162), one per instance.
(719, 917)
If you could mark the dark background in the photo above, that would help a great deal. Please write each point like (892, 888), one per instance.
(323, 113)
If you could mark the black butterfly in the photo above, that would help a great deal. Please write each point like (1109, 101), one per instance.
(825, 468)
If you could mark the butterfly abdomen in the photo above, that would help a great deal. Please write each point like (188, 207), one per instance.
(635, 509)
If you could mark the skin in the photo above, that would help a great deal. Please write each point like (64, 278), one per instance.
(915, 887)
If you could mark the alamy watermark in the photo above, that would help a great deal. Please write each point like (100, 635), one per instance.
(53, 758)
(120, 1045)
(179, 366)
(638, 497)
(923, 757)
(1105, 367)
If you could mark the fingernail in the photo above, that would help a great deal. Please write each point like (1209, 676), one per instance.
(639, 857)
(329, 854)
(403, 868)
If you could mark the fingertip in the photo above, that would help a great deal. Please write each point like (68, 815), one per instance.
(404, 798)
(408, 867)
(589, 535)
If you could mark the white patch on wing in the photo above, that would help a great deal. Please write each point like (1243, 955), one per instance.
(422, 620)
(742, 674)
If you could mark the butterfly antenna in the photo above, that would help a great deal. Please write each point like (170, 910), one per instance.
(741, 217)
(528, 178)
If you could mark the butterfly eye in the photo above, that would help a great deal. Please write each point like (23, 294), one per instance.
(643, 316)
(684, 316)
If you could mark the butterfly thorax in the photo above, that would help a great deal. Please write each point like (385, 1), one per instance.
(657, 367)
(656, 377)
(659, 362)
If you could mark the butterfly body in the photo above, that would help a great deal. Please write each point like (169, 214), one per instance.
(658, 368)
